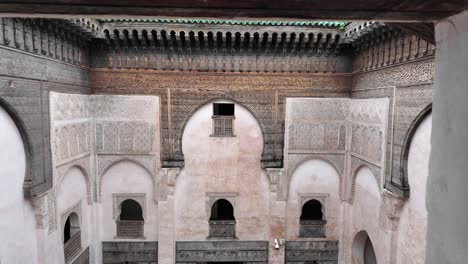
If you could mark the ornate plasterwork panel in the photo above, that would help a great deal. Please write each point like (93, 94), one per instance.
(125, 137)
(70, 127)
(40, 210)
(316, 124)
(118, 198)
(122, 107)
(369, 125)
(335, 131)
(407, 74)
(51, 211)
(225, 251)
(69, 106)
(391, 206)
(115, 127)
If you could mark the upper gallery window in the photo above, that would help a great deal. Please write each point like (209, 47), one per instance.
(223, 116)
(312, 222)
(222, 221)
(130, 223)
(71, 237)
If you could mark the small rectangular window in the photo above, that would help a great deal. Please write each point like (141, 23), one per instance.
(223, 109)
(223, 116)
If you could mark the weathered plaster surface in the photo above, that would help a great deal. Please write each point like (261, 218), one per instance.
(447, 236)
(222, 165)
(314, 179)
(17, 224)
(127, 177)
(413, 219)
(364, 215)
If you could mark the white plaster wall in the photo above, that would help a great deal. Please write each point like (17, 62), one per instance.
(447, 236)
(70, 192)
(222, 164)
(17, 224)
(127, 177)
(413, 219)
(314, 177)
(364, 215)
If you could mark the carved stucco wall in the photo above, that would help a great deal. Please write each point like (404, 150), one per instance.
(343, 132)
(182, 93)
(409, 85)
(126, 128)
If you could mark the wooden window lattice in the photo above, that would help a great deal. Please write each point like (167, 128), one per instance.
(223, 126)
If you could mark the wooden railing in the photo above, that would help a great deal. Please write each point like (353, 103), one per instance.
(223, 126)
(222, 229)
(72, 247)
(312, 228)
(130, 228)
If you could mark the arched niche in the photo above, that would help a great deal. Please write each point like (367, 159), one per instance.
(266, 157)
(117, 162)
(127, 180)
(222, 220)
(72, 189)
(363, 250)
(221, 167)
(17, 224)
(317, 180)
(198, 128)
(83, 166)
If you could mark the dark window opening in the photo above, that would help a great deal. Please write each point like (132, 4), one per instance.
(222, 220)
(130, 223)
(223, 109)
(312, 223)
(71, 237)
(131, 210)
(223, 116)
(66, 231)
(312, 210)
(222, 210)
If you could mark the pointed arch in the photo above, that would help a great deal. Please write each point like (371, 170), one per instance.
(406, 147)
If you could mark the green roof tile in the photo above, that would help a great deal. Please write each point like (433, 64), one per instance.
(330, 24)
